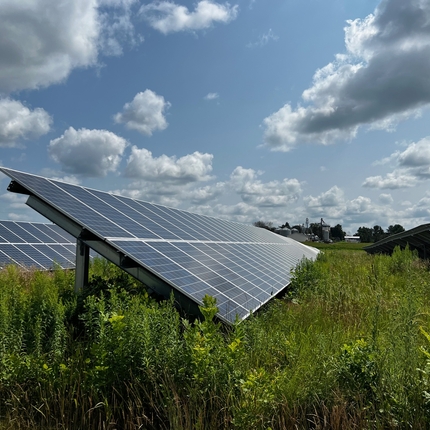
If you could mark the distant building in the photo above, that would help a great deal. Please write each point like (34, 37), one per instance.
(352, 239)
(292, 234)
(325, 228)
(283, 231)
(299, 237)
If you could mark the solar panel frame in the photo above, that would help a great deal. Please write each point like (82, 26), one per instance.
(243, 267)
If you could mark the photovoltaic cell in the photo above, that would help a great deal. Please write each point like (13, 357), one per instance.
(241, 266)
(36, 245)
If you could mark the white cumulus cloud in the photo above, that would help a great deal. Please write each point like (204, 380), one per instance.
(42, 41)
(145, 113)
(190, 168)
(329, 204)
(252, 190)
(15, 201)
(410, 166)
(333, 197)
(416, 154)
(391, 181)
(168, 17)
(17, 122)
(88, 152)
(386, 199)
(382, 79)
(204, 195)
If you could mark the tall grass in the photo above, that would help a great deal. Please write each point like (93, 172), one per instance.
(348, 347)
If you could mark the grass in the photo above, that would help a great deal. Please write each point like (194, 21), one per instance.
(347, 348)
(338, 246)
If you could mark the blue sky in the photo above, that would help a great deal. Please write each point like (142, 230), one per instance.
(249, 110)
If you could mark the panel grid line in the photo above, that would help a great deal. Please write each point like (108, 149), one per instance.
(242, 266)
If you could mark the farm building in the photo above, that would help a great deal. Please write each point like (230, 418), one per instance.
(352, 239)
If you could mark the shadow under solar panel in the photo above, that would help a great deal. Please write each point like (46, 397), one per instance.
(172, 250)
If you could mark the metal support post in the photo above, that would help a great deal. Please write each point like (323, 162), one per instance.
(82, 265)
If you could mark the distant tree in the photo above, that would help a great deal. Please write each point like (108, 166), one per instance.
(264, 224)
(286, 225)
(378, 233)
(315, 228)
(298, 227)
(337, 232)
(365, 233)
(394, 229)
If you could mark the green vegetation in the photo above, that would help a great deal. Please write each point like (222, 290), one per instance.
(349, 347)
(338, 246)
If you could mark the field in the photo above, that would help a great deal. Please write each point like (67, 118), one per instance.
(346, 348)
(338, 246)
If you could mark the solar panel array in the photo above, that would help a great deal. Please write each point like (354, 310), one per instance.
(37, 245)
(241, 266)
(417, 238)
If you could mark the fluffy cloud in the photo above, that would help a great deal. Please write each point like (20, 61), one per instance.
(177, 182)
(391, 181)
(333, 197)
(410, 166)
(253, 191)
(419, 210)
(145, 113)
(12, 216)
(359, 205)
(170, 180)
(42, 41)
(88, 152)
(362, 210)
(15, 201)
(245, 196)
(382, 79)
(16, 204)
(59, 176)
(415, 155)
(335, 208)
(168, 17)
(258, 200)
(203, 195)
(239, 212)
(19, 122)
(386, 199)
(190, 168)
(157, 192)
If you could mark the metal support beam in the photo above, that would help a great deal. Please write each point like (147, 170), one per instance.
(82, 265)
(109, 252)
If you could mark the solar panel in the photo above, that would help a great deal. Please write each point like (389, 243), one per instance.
(192, 255)
(37, 245)
(417, 238)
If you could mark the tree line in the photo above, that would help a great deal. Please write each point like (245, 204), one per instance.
(377, 233)
(367, 234)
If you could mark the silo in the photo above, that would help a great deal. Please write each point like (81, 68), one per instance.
(325, 229)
